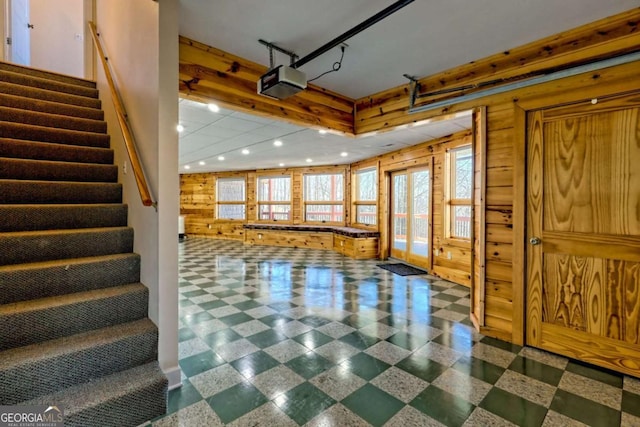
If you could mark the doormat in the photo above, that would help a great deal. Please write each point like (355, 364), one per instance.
(402, 269)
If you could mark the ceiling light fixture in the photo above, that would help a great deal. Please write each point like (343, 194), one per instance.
(213, 107)
(201, 163)
(309, 160)
(277, 143)
(245, 151)
(344, 154)
(322, 131)
(221, 158)
(187, 167)
(281, 164)
(179, 128)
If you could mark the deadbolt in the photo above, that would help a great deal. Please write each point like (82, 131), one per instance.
(535, 241)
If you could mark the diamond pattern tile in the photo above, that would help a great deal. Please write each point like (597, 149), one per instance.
(276, 336)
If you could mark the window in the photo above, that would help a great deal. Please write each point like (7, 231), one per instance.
(365, 196)
(274, 198)
(458, 205)
(324, 198)
(230, 198)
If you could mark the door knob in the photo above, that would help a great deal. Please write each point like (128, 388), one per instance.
(535, 241)
(29, 25)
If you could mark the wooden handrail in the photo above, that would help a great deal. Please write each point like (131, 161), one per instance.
(125, 128)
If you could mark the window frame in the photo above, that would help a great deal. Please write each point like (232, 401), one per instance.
(356, 202)
(260, 203)
(306, 202)
(451, 202)
(230, 202)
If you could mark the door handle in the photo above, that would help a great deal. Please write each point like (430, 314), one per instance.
(29, 25)
(535, 241)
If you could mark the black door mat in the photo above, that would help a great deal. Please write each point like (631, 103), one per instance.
(402, 269)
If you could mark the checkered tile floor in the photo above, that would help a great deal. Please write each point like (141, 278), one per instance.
(284, 337)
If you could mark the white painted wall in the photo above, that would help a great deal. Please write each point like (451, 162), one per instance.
(132, 33)
(57, 37)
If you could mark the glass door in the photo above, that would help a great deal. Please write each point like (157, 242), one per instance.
(411, 216)
(399, 206)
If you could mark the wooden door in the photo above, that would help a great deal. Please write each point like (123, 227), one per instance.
(583, 227)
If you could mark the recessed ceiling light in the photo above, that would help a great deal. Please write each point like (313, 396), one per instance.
(201, 163)
(213, 107)
(281, 164)
(187, 167)
(277, 143)
(322, 131)
(245, 151)
(309, 160)
(179, 128)
(344, 154)
(221, 158)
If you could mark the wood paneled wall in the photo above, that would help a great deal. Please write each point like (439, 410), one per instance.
(208, 74)
(458, 268)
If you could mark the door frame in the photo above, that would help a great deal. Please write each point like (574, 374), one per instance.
(427, 166)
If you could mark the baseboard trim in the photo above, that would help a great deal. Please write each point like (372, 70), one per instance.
(174, 376)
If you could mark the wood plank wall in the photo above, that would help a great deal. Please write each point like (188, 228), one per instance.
(197, 196)
(208, 74)
(504, 207)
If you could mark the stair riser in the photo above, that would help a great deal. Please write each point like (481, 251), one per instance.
(14, 68)
(60, 136)
(26, 283)
(22, 284)
(32, 327)
(15, 148)
(49, 95)
(16, 192)
(36, 105)
(44, 217)
(51, 120)
(18, 248)
(25, 382)
(56, 171)
(47, 84)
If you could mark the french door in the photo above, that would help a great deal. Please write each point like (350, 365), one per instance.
(411, 216)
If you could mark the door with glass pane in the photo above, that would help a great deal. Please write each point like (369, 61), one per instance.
(411, 216)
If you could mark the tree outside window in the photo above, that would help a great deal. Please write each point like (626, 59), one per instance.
(324, 198)
(365, 196)
(274, 198)
(459, 192)
(231, 198)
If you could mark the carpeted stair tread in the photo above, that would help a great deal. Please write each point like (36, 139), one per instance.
(23, 282)
(38, 192)
(49, 95)
(33, 246)
(48, 84)
(20, 149)
(45, 74)
(46, 170)
(79, 358)
(63, 216)
(127, 398)
(37, 118)
(65, 315)
(47, 134)
(31, 104)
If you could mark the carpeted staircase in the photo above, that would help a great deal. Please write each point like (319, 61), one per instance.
(74, 330)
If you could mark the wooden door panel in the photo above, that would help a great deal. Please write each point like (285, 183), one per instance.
(591, 173)
(583, 205)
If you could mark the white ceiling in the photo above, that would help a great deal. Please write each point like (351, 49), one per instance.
(207, 135)
(422, 39)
